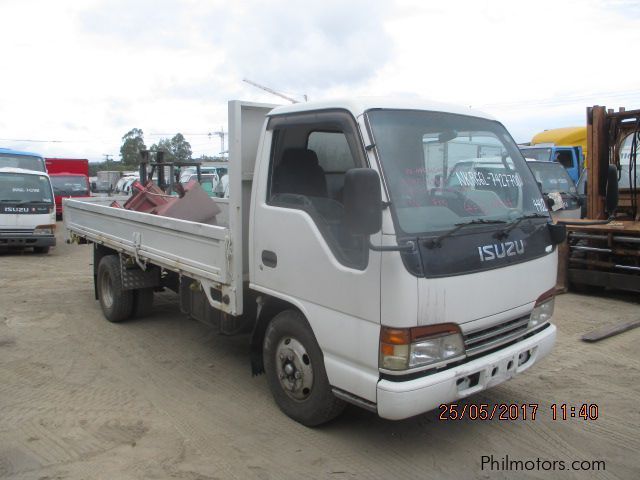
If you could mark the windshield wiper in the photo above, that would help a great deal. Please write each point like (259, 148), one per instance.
(505, 232)
(437, 242)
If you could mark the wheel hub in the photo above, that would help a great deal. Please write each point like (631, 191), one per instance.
(106, 290)
(294, 369)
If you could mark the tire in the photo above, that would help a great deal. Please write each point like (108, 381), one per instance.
(295, 371)
(142, 302)
(116, 303)
(41, 249)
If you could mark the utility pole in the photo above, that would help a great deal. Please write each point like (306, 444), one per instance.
(107, 159)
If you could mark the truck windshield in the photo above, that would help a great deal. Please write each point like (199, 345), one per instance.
(24, 188)
(541, 154)
(69, 185)
(28, 162)
(444, 169)
(552, 177)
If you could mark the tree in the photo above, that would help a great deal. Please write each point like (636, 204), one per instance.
(175, 150)
(180, 148)
(132, 143)
(164, 145)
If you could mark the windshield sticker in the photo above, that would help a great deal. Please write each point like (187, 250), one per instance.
(22, 190)
(489, 179)
(540, 205)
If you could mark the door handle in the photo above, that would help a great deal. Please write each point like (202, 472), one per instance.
(269, 258)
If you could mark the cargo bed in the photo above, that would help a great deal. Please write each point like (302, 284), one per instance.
(199, 251)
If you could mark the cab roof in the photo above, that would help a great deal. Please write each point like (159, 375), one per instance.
(359, 105)
(563, 137)
(22, 170)
(9, 151)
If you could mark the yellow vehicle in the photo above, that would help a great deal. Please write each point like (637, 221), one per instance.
(567, 146)
(564, 137)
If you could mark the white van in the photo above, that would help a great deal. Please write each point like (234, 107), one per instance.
(27, 210)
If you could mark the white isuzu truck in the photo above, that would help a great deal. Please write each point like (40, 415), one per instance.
(27, 208)
(361, 271)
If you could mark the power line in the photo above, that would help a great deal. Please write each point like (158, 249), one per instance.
(171, 134)
(29, 140)
(565, 100)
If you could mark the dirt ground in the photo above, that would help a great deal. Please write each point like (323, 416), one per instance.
(162, 398)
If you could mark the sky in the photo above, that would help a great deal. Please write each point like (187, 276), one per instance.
(76, 76)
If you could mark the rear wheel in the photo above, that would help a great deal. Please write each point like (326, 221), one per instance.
(295, 371)
(116, 303)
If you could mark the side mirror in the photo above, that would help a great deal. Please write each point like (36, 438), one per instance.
(612, 190)
(362, 201)
(557, 232)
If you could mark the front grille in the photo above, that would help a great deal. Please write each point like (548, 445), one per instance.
(16, 231)
(481, 340)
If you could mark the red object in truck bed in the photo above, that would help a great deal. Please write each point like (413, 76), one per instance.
(195, 205)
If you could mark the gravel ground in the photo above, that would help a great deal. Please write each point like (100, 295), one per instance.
(163, 398)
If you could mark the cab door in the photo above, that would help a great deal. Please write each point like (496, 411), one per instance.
(303, 252)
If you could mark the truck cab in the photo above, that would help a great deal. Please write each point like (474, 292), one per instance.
(453, 292)
(69, 177)
(571, 158)
(68, 185)
(27, 211)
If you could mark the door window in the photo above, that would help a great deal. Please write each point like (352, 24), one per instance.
(307, 171)
(565, 158)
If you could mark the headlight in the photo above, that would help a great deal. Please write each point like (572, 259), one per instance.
(543, 309)
(44, 230)
(404, 348)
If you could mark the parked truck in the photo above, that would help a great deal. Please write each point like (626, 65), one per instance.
(27, 211)
(106, 181)
(355, 279)
(69, 177)
(567, 146)
(20, 159)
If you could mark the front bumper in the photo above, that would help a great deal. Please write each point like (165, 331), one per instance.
(398, 400)
(22, 241)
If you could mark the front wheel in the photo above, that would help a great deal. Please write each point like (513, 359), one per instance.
(295, 371)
